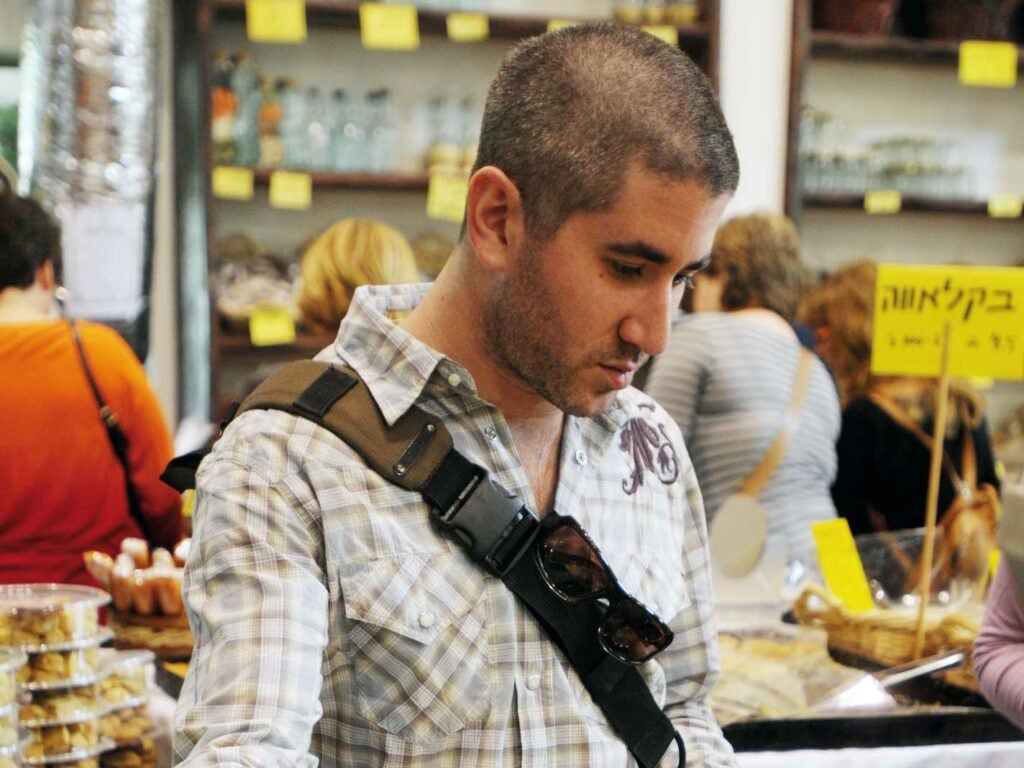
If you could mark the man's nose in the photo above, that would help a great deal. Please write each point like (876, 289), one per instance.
(647, 325)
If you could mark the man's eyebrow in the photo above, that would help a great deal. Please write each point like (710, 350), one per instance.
(640, 250)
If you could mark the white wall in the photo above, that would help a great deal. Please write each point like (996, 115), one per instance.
(754, 85)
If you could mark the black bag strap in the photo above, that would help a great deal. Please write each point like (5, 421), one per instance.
(118, 439)
(493, 525)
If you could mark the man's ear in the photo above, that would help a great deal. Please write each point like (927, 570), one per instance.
(494, 218)
(46, 277)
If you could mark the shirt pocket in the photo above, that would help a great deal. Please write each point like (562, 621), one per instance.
(663, 590)
(417, 640)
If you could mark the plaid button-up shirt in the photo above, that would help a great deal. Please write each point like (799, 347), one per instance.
(333, 623)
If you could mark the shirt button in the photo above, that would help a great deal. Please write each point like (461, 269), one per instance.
(454, 380)
(490, 433)
(426, 619)
(533, 682)
(581, 458)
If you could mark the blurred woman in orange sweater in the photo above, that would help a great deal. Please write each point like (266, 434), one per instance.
(62, 487)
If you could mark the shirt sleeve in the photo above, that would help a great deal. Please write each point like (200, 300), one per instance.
(691, 663)
(149, 443)
(257, 602)
(679, 375)
(999, 648)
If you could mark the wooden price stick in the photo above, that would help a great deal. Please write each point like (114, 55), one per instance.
(931, 511)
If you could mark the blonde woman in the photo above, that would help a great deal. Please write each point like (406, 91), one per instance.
(883, 469)
(348, 254)
(727, 378)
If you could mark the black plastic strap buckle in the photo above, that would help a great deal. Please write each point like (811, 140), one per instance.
(491, 523)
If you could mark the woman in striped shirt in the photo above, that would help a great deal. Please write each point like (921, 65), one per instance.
(727, 378)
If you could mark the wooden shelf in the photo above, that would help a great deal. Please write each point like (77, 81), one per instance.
(909, 204)
(304, 343)
(330, 180)
(324, 13)
(840, 45)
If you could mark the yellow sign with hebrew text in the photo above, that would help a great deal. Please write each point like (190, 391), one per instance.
(841, 566)
(984, 305)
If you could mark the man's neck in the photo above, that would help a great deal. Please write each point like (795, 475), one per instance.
(18, 305)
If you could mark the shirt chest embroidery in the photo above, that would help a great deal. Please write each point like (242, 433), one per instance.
(649, 449)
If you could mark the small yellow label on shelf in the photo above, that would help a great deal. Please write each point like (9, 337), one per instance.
(883, 201)
(841, 565)
(663, 32)
(271, 325)
(468, 27)
(985, 309)
(232, 183)
(556, 24)
(276, 21)
(988, 64)
(1006, 206)
(446, 197)
(291, 190)
(389, 27)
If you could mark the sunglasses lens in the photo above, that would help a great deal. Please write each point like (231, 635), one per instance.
(632, 633)
(572, 565)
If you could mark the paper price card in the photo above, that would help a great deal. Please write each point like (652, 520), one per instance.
(232, 183)
(663, 32)
(389, 26)
(883, 201)
(271, 325)
(291, 190)
(841, 565)
(467, 27)
(984, 305)
(988, 64)
(446, 197)
(1006, 206)
(275, 21)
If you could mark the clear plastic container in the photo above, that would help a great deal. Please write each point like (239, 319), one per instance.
(10, 757)
(57, 669)
(61, 705)
(71, 739)
(9, 725)
(139, 755)
(11, 662)
(48, 614)
(124, 677)
(127, 724)
(87, 757)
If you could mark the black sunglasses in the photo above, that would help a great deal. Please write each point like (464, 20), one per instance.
(573, 568)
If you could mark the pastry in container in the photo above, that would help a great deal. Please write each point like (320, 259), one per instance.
(11, 662)
(50, 740)
(124, 676)
(85, 757)
(60, 668)
(141, 755)
(61, 705)
(49, 614)
(126, 725)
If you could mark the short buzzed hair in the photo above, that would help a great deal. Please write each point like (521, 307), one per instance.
(29, 238)
(569, 110)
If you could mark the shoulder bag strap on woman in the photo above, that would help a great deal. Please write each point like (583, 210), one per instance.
(118, 439)
(762, 473)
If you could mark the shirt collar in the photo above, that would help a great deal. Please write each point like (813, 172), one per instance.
(395, 366)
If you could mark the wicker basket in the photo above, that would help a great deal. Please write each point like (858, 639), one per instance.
(883, 636)
(969, 19)
(860, 17)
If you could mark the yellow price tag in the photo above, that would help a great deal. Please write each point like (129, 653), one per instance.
(985, 309)
(988, 64)
(663, 32)
(446, 197)
(271, 325)
(556, 24)
(389, 27)
(468, 27)
(1006, 206)
(982, 383)
(188, 502)
(883, 201)
(993, 563)
(232, 183)
(275, 21)
(841, 565)
(291, 190)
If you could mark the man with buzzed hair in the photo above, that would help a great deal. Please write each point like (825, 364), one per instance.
(333, 623)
